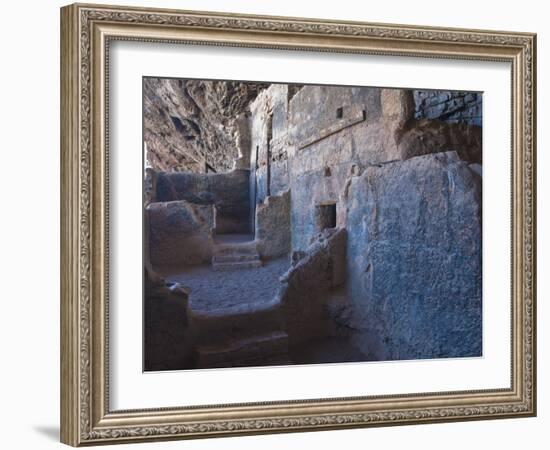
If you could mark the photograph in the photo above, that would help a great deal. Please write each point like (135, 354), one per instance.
(291, 224)
(280, 224)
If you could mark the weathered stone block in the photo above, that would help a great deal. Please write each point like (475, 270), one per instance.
(307, 283)
(179, 232)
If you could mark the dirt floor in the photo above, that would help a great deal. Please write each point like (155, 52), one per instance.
(210, 289)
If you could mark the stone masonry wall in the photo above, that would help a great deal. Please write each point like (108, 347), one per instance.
(228, 192)
(450, 106)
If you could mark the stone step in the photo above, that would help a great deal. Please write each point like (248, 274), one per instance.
(240, 248)
(234, 258)
(272, 347)
(238, 322)
(237, 265)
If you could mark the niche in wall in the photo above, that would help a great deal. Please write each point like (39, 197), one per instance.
(326, 215)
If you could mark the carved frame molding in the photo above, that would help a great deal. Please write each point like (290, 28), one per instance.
(86, 31)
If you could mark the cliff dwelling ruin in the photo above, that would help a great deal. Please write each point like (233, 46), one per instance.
(300, 224)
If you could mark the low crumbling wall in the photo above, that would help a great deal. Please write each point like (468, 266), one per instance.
(228, 192)
(179, 232)
(415, 244)
(273, 226)
(167, 345)
(306, 285)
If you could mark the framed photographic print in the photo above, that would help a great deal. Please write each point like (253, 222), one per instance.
(276, 224)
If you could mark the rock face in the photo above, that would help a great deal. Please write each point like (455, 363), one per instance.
(415, 258)
(191, 123)
(429, 136)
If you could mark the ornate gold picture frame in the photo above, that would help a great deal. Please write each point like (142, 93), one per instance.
(87, 31)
